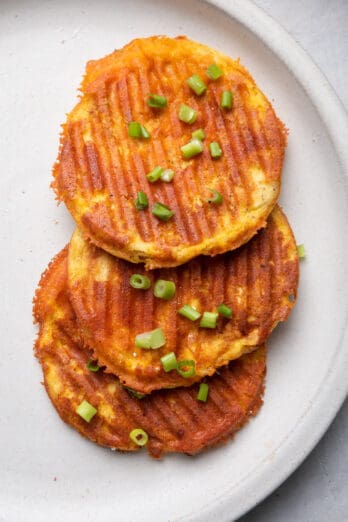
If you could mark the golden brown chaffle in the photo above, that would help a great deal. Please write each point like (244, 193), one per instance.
(257, 281)
(100, 169)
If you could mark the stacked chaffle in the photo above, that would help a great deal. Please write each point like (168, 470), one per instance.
(153, 320)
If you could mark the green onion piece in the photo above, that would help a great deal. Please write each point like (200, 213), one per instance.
(140, 282)
(216, 199)
(92, 366)
(208, 320)
(136, 130)
(167, 175)
(151, 340)
(156, 101)
(226, 100)
(291, 298)
(196, 83)
(186, 368)
(164, 289)
(139, 436)
(155, 174)
(189, 312)
(192, 148)
(203, 391)
(187, 114)
(135, 393)
(214, 72)
(162, 212)
(198, 134)
(169, 362)
(86, 411)
(225, 311)
(141, 203)
(301, 251)
(215, 149)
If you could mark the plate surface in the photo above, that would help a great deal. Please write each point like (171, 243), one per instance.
(48, 472)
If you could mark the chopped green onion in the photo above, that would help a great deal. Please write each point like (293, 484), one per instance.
(214, 72)
(164, 289)
(187, 114)
(216, 199)
(215, 149)
(167, 175)
(198, 134)
(225, 311)
(140, 282)
(301, 251)
(86, 411)
(226, 100)
(156, 101)
(136, 130)
(208, 320)
(162, 212)
(135, 393)
(203, 391)
(151, 340)
(141, 203)
(92, 366)
(196, 83)
(155, 174)
(186, 368)
(169, 362)
(189, 312)
(192, 148)
(291, 298)
(139, 436)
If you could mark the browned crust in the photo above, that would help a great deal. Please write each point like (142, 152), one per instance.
(108, 163)
(174, 420)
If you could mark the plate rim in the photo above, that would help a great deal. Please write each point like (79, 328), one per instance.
(330, 396)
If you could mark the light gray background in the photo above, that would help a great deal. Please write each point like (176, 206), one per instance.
(317, 491)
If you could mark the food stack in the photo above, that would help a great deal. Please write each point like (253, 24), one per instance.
(154, 318)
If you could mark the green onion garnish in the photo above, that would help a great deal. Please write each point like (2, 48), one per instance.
(187, 114)
(167, 175)
(216, 199)
(162, 212)
(92, 365)
(169, 362)
(141, 203)
(136, 130)
(156, 101)
(86, 411)
(186, 368)
(203, 391)
(151, 340)
(196, 83)
(135, 393)
(192, 148)
(301, 251)
(208, 320)
(189, 312)
(225, 311)
(140, 282)
(215, 149)
(155, 174)
(198, 134)
(214, 72)
(226, 100)
(139, 436)
(164, 289)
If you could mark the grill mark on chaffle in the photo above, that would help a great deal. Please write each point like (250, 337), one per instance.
(79, 158)
(103, 134)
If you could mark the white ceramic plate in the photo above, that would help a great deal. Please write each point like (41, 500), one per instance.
(48, 472)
